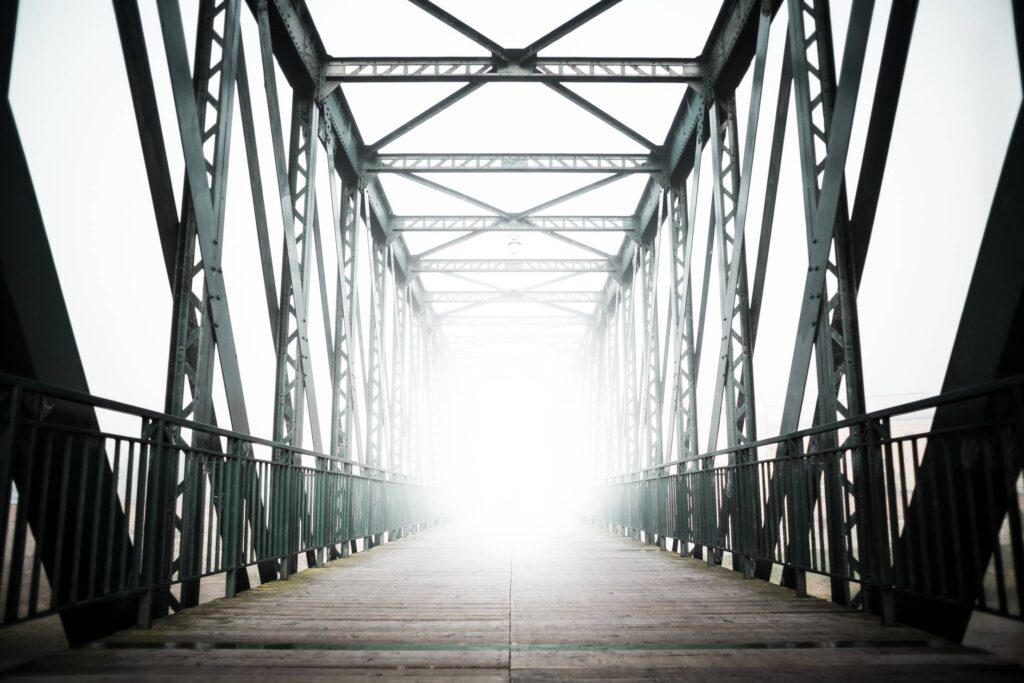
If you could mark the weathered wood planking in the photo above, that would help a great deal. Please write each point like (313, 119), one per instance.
(579, 604)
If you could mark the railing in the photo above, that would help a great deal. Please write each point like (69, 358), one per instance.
(928, 514)
(146, 511)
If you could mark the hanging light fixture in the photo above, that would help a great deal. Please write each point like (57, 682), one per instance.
(514, 243)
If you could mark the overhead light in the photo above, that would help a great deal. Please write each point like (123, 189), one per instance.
(514, 244)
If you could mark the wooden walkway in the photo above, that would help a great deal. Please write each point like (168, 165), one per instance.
(583, 604)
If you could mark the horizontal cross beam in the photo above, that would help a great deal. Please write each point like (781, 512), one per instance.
(514, 339)
(482, 69)
(514, 266)
(524, 224)
(515, 321)
(474, 297)
(514, 163)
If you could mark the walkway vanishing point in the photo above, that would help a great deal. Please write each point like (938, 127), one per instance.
(433, 607)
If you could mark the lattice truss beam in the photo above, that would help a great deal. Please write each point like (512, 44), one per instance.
(378, 390)
(647, 372)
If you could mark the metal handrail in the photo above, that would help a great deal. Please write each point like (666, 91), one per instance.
(93, 517)
(932, 515)
(137, 411)
(947, 398)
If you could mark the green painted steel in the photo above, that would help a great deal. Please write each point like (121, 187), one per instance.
(302, 502)
(724, 504)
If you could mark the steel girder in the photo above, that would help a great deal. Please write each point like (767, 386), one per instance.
(376, 428)
(684, 389)
(398, 387)
(294, 377)
(513, 266)
(825, 207)
(519, 321)
(492, 69)
(524, 224)
(513, 163)
(988, 345)
(520, 296)
(613, 346)
(38, 342)
(631, 393)
(837, 349)
(192, 246)
(203, 224)
(343, 396)
(735, 381)
(650, 439)
(192, 352)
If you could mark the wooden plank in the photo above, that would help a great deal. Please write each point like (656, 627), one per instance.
(583, 605)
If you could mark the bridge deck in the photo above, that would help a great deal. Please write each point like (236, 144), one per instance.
(583, 604)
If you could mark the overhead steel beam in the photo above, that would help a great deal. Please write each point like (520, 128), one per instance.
(484, 69)
(567, 27)
(514, 163)
(514, 266)
(427, 114)
(472, 297)
(880, 125)
(492, 340)
(451, 192)
(460, 26)
(578, 192)
(524, 224)
(726, 57)
(516, 321)
(601, 114)
(301, 54)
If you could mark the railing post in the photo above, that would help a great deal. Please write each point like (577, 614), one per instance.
(232, 521)
(798, 511)
(158, 531)
(874, 555)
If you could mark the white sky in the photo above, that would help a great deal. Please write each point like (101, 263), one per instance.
(73, 107)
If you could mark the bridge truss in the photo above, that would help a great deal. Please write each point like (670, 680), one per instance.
(385, 359)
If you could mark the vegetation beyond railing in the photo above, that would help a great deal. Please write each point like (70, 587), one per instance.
(931, 514)
(92, 516)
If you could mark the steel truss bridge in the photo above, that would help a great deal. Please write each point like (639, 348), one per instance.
(113, 529)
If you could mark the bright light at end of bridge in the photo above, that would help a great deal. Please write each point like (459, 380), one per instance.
(515, 460)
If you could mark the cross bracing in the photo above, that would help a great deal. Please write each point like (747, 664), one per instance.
(472, 69)
(514, 163)
(580, 223)
(362, 337)
(513, 266)
(516, 322)
(563, 297)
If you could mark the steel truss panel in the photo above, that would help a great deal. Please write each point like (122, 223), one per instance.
(521, 224)
(376, 415)
(192, 359)
(544, 69)
(398, 394)
(514, 163)
(827, 198)
(736, 378)
(836, 346)
(684, 394)
(344, 395)
(469, 297)
(514, 266)
(650, 438)
(293, 356)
